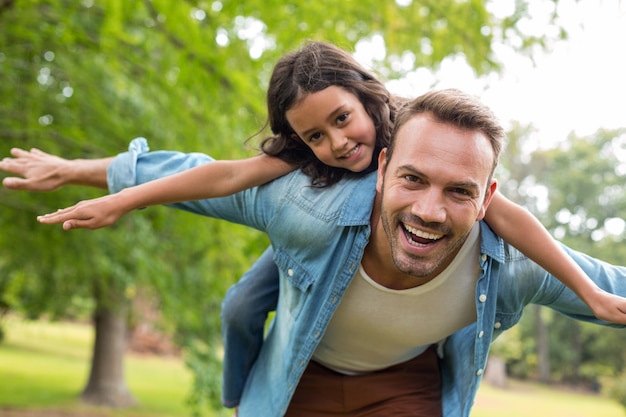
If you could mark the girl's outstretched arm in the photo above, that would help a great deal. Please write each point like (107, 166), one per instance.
(215, 179)
(520, 228)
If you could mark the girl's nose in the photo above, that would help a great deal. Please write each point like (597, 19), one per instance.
(338, 141)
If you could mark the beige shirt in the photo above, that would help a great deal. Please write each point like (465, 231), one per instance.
(375, 327)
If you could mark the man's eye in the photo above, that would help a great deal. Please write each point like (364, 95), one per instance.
(411, 178)
(462, 191)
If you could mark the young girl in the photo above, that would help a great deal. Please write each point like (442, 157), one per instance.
(330, 118)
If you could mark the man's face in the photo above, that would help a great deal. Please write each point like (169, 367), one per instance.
(434, 189)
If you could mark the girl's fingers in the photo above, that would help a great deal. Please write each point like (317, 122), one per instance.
(57, 217)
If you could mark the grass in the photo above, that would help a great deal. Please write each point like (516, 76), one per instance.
(525, 399)
(45, 365)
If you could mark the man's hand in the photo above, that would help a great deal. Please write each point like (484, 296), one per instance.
(40, 171)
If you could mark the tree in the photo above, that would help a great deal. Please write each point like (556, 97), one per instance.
(187, 75)
(576, 190)
(585, 183)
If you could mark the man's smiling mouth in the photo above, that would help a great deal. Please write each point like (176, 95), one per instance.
(419, 237)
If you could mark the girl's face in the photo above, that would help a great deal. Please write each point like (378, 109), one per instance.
(334, 124)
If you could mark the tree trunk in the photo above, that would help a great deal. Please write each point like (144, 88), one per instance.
(495, 374)
(106, 386)
(577, 350)
(543, 346)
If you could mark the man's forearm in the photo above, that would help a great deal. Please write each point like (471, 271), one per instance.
(87, 172)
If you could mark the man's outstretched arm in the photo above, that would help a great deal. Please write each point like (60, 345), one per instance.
(40, 171)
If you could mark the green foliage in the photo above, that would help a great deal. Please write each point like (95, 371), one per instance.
(583, 178)
(80, 79)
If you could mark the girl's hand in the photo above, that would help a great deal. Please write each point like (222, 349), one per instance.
(40, 171)
(607, 306)
(88, 214)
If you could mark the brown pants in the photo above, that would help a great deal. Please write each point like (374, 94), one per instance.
(410, 389)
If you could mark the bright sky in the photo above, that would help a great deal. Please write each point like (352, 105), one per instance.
(578, 85)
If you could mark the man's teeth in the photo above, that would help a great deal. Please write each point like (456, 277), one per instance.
(422, 234)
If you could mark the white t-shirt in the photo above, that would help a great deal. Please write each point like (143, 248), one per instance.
(375, 327)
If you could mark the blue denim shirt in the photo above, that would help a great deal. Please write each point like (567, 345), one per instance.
(318, 238)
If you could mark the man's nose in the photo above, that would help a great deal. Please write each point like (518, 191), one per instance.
(429, 206)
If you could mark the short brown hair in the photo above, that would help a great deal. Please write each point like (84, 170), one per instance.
(454, 107)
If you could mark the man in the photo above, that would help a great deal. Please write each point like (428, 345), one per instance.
(377, 273)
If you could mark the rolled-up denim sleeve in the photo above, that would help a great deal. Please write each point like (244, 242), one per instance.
(529, 283)
(124, 172)
(138, 165)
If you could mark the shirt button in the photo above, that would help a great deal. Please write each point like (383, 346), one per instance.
(482, 298)
(479, 372)
(480, 334)
(497, 325)
(290, 272)
(483, 257)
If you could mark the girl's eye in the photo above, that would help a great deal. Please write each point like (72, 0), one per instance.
(342, 117)
(315, 137)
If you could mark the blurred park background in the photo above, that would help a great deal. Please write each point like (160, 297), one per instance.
(127, 318)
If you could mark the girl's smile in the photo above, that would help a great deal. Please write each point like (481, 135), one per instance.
(354, 153)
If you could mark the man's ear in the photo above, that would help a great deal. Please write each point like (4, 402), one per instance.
(489, 193)
(382, 166)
